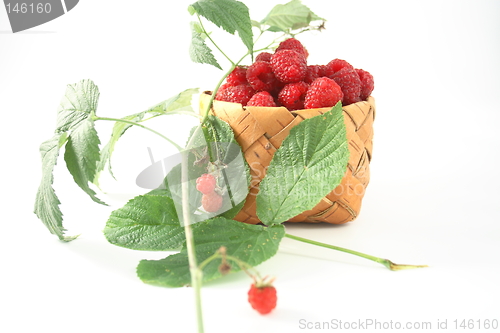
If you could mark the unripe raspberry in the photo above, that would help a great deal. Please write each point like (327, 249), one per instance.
(211, 202)
(206, 183)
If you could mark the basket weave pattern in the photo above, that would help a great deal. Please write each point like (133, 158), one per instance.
(260, 132)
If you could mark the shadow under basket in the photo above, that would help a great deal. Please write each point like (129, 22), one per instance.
(260, 132)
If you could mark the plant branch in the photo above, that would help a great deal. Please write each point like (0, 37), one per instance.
(387, 263)
(140, 125)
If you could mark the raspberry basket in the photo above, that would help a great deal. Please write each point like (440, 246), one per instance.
(260, 132)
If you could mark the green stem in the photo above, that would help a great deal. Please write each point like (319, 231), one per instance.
(387, 263)
(196, 273)
(142, 126)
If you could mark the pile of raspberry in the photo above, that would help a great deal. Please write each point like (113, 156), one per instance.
(285, 79)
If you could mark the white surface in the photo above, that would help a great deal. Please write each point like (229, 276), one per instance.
(433, 198)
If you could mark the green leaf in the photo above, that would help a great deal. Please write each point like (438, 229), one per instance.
(46, 203)
(231, 15)
(290, 16)
(309, 164)
(81, 155)
(252, 244)
(78, 103)
(147, 222)
(198, 50)
(175, 104)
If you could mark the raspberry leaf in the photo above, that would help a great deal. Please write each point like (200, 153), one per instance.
(179, 103)
(309, 164)
(229, 15)
(147, 222)
(252, 244)
(46, 203)
(79, 102)
(198, 50)
(290, 16)
(82, 154)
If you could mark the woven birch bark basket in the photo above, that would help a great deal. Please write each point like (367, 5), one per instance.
(260, 132)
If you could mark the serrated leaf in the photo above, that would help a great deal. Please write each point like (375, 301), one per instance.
(252, 244)
(147, 222)
(309, 164)
(230, 15)
(46, 203)
(82, 154)
(199, 51)
(177, 103)
(290, 16)
(79, 102)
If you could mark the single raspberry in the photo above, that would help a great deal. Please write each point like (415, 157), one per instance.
(238, 76)
(335, 65)
(211, 202)
(263, 299)
(263, 56)
(349, 82)
(237, 94)
(292, 95)
(206, 183)
(312, 73)
(293, 44)
(260, 76)
(323, 92)
(289, 66)
(221, 92)
(367, 83)
(262, 98)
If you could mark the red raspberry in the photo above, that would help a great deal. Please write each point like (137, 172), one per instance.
(323, 92)
(367, 83)
(206, 183)
(211, 202)
(237, 94)
(289, 66)
(335, 65)
(263, 56)
(293, 44)
(260, 76)
(263, 299)
(238, 76)
(262, 98)
(349, 82)
(312, 73)
(292, 95)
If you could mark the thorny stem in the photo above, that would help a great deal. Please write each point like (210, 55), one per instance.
(386, 262)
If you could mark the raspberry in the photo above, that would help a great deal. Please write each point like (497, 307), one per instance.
(260, 76)
(289, 66)
(335, 65)
(349, 82)
(367, 83)
(237, 94)
(263, 56)
(262, 98)
(263, 299)
(323, 92)
(211, 202)
(312, 73)
(238, 76)
(293, 44)
(206, 183)
(292, 95)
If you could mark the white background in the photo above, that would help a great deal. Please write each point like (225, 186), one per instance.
(433, 197)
